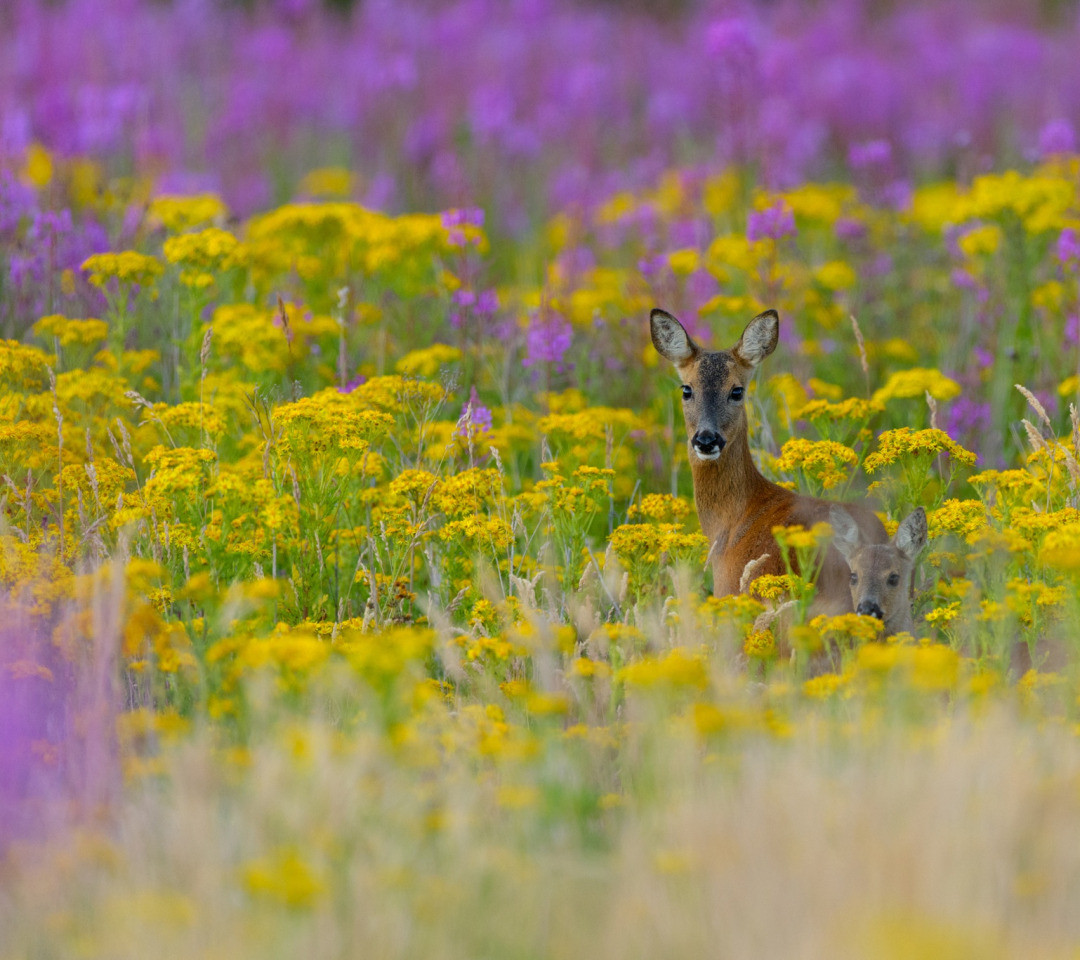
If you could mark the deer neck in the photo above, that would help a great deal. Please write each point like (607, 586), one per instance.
(726, 488)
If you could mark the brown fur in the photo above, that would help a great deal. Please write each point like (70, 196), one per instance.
(882, 574)
(737, 507)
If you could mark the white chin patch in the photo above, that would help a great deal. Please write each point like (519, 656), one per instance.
(706, 456)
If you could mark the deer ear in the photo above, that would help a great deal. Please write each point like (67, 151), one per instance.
(758, 339)
(670, 338)
(845, 533)
(910, 536)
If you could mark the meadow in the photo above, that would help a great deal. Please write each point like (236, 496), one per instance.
(354, 600)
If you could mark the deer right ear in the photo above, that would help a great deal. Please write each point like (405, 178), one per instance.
(845, 533)
(670, 338)
(911, 535)
(758, 339)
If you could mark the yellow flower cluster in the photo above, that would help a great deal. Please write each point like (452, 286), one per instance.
(179, 213)
(894, 445)
(917, 382)
(852, 408)
(203, 254)
(129, 267)
(69, 332)
(823, 461)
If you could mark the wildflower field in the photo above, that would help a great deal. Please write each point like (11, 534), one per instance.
(354, 601)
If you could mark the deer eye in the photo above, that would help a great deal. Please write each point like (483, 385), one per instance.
(687, 392)
(736, 394)
(854, 579)
(894, 579)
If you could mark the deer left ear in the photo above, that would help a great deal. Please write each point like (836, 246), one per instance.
(758, 339)
(845, 532)
(911, 534)
(671, 339)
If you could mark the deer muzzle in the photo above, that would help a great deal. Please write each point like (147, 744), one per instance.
(708, 444)
(868, 608)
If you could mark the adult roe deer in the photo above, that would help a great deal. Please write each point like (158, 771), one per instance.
(737, 507)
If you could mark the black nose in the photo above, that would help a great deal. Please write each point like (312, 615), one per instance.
(707, 441)
(870, 609)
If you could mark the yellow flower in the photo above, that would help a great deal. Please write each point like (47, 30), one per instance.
(38, 168)
(70, 332)
(981, 241)
(178, 213)
(760, 645)
(616, 207)
(935, 206)
(945, 614)
(822, 203)
(1061, 548)
(822, 460)
(677, 670)
(797, 537)
(129, 267)
(203, 254)
(328, 422)
(729, 251)
(327, 182)
(790, 396)
(848, 626)
(836, 275)
(684, 262)
(661, 507)
(427, 362)
(284, 877)
(917, 382)
(394, 393)
(962, 517)
(853, 408)
(897, 444)
(775, 586)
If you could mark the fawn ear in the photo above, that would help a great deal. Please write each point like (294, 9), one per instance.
(845, 533)
(670, 338)
(758, 339)
(910, 536)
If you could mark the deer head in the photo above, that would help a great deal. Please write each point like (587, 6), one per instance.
(714, 383)
(881, 574)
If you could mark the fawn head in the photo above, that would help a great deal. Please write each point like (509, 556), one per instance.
(714, 383)
(881, 573)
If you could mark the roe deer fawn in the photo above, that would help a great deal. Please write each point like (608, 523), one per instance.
(736, 505)
(881, 573)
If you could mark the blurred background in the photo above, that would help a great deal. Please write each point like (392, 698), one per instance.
(526, 106)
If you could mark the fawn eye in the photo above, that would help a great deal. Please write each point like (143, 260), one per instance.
(854, 579)
(894, 579)
(687, 392)
(736, 394)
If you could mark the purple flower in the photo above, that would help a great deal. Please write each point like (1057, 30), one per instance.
(353, 384)
(454, 220)
(1068, 246)
(731, 40)
(873, 154)
(651, 266)
(1058, 136)
(16, 202)
(547, 340)
(772, 223)
(848, 228)
(966, 416)
(475, 417)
